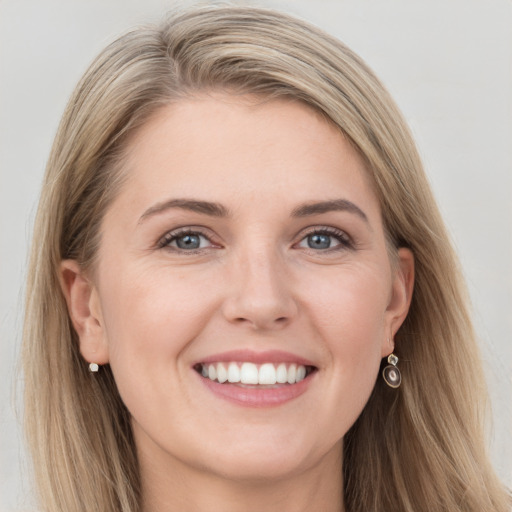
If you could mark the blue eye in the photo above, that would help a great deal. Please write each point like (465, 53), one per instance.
(319, 241)
(185, 241)
(188, 242)
(325, 239)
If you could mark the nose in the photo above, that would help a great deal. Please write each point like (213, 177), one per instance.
(260, 293)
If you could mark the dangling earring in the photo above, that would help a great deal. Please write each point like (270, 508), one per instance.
(93, 367)
(391, 374)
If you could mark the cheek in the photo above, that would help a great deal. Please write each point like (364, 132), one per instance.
(150, 318)
(350, 308)
(349, 314)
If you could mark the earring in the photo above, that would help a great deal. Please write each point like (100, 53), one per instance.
(391, 374)
(93, 367)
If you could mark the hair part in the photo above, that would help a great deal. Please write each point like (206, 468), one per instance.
(417, 448)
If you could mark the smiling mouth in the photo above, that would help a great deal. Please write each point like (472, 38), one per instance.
(251, 374)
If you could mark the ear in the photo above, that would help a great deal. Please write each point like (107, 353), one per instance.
(85, 312)
(400, 299)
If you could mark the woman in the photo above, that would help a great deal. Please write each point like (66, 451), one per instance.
(237, 261)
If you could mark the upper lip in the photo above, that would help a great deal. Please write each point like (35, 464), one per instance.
(251, 356)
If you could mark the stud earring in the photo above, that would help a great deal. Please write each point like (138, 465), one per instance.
(391, 374)
(93, 367)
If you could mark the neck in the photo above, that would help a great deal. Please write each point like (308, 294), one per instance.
(179, 486)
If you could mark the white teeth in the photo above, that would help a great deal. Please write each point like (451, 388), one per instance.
(282, 374)
(292, 374)
(233, 372)
(249, 373)
(222, 373)
(266, 374)
(301, 373)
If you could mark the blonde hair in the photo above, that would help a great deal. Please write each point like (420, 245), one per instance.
(419, 448)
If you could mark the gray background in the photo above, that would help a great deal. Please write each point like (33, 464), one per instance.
(448, 63)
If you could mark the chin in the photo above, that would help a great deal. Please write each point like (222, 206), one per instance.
(259, 467)
(272, 459)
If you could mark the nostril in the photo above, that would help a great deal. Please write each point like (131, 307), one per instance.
(281, 319)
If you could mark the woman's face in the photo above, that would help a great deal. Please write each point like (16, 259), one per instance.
(244, 295)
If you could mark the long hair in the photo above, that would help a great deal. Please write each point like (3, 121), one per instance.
(419, 448)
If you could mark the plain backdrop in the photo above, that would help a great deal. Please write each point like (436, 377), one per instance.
(448, 64)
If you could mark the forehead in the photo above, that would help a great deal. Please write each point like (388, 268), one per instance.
(220, 146)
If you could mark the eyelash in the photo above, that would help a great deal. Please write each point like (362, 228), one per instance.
(168, 238)
(345, 242)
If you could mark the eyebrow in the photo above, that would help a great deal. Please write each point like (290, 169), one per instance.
(328, 206)
(218, 210)
(193, 205)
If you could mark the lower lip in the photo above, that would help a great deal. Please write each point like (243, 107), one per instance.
(257, 396)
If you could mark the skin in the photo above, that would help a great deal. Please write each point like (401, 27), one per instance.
(255, 283)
